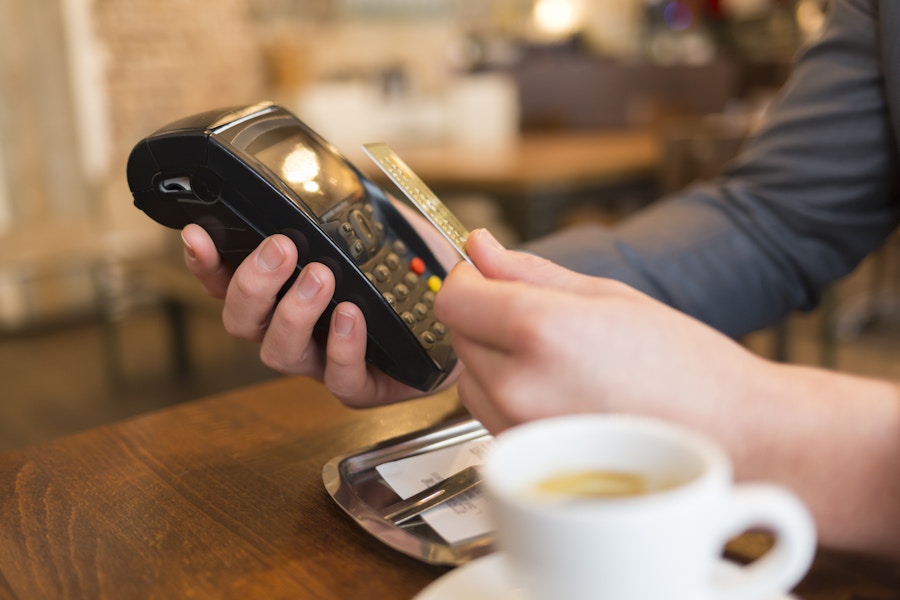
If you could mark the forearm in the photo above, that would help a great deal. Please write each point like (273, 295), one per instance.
(835, 440)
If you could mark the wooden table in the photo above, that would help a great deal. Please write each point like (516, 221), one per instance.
(533, 176)
(223, 498)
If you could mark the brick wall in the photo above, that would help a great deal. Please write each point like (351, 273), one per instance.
(169, 58)
(166, 59)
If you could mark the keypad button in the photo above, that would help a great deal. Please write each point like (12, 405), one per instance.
(401, 292)
(417, 265)
(420, 310)
(409, 319)
(399, 247)
(362, 227)
(382, 273)
(410, 279)
(439, 330)
(346, 230)
(392, 261)
(357, 249)
(390, 299)
(428, 298)
(434, 283)
(370, 277)
(427, 339)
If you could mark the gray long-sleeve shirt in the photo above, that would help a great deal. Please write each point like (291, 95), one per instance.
(808, 198)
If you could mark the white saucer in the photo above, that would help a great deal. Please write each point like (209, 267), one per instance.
(486, 579)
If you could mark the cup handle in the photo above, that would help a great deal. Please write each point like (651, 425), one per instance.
(781, 568)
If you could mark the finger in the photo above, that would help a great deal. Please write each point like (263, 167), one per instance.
(347, 375)
(203, 260)
(495, 262)
(504, 377)
(253, 290)
(487, 366)
(288, 345)
(504, 390)
(350, 378)
(497, 314)
(479, 404)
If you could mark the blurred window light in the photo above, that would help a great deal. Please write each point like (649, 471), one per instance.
(558, 18)
(810, 15)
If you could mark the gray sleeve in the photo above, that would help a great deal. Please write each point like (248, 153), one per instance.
(807, 199)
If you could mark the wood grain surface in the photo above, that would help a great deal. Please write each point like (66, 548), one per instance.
(223, 498)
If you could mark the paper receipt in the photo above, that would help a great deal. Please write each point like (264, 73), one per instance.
(459, 519)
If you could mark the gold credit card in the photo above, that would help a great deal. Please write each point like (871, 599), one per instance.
(419, 194)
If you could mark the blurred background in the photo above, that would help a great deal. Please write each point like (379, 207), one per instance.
(524, 115)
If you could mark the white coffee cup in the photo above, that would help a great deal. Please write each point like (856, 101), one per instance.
(665, 544)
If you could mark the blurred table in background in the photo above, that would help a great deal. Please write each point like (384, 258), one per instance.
(536, 177)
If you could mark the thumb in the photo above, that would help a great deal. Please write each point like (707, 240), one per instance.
(493, 260)
(496, 262)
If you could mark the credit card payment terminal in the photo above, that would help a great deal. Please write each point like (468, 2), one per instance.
(249, 172)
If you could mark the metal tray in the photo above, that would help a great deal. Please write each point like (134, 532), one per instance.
(356, 486)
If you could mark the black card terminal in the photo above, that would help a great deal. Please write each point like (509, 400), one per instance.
(250, 172)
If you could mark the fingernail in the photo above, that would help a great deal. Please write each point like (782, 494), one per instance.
(188, 248)
(308, 284)
(270, 256)
(489, 239)
(343, 323)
